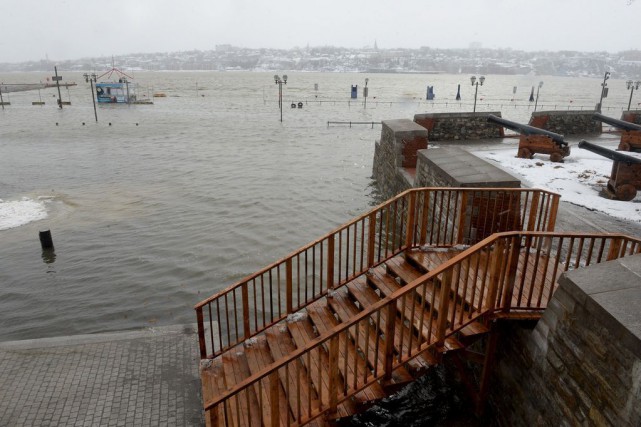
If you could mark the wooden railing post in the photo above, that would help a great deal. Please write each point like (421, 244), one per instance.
(371, 240)
(201, 333)
(443, 309)
(553, 211)
(615, 248)
(495, 273)
(333, 377)
(330, 262)
(245, 297)
(273, 398)
(534, 208)
(460, 232)
(411, 219)
(288, 286)
(389, 340)
(510, 277)
(424, 217)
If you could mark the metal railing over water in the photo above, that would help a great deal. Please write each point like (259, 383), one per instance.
(353, 123)
(416, 217)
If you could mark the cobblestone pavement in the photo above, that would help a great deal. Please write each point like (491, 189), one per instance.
(140, 378)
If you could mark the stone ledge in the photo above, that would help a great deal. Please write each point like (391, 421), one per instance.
(463, 169)
(612, 292)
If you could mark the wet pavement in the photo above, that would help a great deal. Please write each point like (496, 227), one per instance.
(138, 378)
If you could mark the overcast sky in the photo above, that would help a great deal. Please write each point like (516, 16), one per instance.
(72, 29)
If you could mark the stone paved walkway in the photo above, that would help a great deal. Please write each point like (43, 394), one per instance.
(140, 378)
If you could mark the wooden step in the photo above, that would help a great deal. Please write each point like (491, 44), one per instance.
(450, 344)
(295, 380)
(212, 377)
(361, 292)
(349, 357)
(236, 369)
(405, 271)
(258, 357)
(428, 259)
(473, 331)
(467, 289)
(366, 338)
(413, 312)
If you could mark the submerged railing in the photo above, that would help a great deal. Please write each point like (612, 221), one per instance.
(417, 217)
(507, 272)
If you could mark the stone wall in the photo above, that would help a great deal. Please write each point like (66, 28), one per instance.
(455, 167)
(581, 364)
(633, 116)
(395, 155)
(459, 126)
(566, 122)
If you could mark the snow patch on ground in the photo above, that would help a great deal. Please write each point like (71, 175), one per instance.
(579, 180)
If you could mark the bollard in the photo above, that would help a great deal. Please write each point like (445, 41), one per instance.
(45, 240)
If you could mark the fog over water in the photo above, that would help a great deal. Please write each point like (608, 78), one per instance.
(72, 29)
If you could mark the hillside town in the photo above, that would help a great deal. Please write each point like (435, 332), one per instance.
(475, 59)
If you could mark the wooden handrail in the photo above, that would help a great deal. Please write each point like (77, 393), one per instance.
(435, 216)
(543, 243)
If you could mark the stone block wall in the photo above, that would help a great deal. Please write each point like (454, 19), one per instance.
(395, 155)
(566, 122)
(455, 167)
(633, 116)
(459, 126)
(581, 364)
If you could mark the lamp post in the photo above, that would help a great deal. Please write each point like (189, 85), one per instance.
(476, 83)
(537, 95)
(632, 85)
(280, 82)
(365, 92)
(604, 90)
(90, 78)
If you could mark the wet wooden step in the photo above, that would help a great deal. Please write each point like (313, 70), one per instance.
(361, 292)
(417, 315)
(428, 259)
(295, 379)
(366, 337)
(244, 408)
(212, 377)
(316, 363)
(350, 361)
(473, 330)
(258, 357)
(405, 271)
(467, 288)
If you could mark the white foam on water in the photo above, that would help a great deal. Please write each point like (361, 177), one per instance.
(20, 212)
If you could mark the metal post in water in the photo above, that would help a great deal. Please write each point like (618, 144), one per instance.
(537, 95)
(45, 240)
(57, 79)
(92, 78)
(1, 100)
(604, 91)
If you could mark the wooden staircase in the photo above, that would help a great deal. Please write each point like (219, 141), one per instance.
(353, 317)
(310, 378)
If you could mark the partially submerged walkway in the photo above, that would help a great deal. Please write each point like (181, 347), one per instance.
(138, 378)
